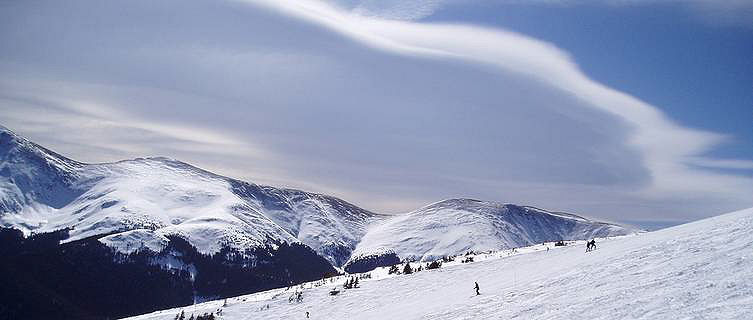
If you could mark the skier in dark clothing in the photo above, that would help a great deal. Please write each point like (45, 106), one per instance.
(477, 293)
(590, 245)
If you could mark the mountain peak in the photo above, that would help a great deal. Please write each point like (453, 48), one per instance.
(466, 204)
(7, 136)
(454, 202)
(4, 129)
(15, 148)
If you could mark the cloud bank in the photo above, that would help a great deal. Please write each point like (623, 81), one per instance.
(390, 114)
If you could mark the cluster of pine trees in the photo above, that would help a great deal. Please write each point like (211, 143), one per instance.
(407, 269)
(351, 283)
(40, 277)
(205, 316)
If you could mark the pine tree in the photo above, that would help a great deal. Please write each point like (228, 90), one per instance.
(407, 269)
(393, 269)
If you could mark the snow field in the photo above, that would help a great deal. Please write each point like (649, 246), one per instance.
(701, 270)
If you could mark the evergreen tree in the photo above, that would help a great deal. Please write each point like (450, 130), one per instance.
(393, 269)
(407, 269)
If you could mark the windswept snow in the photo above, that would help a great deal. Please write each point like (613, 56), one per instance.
(700, 270)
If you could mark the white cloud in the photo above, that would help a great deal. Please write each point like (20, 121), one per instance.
(391, 9)
(385, 113)
(663, 143)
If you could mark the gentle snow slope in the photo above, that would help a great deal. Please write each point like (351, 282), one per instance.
(701, 270)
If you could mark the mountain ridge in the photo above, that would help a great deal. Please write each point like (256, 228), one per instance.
(457, 226)
(154, 197)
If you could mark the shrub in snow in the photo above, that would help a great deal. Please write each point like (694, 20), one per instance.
(433, 265)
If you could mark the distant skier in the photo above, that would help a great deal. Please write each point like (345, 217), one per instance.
(477, 292)
(307, 314)
(591, 245)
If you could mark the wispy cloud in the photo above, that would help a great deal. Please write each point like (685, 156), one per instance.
(663, 143)
(387, 113)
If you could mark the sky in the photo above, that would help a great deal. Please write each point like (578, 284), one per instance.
(624, 110)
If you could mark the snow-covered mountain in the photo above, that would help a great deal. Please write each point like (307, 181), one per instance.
(201, 235)
(457, 226)
(137, 203)
(700, 270)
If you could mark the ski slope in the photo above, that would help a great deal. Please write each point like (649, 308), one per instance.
(701, 270)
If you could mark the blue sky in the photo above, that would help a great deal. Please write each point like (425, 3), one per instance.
(633, 110)
(699, 71)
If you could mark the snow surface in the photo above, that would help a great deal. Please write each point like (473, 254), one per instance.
(136, 240)
(700, 270)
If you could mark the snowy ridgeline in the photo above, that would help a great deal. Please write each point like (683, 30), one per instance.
(455, 226)
(140, 202)
(700, 270)
(136, 205)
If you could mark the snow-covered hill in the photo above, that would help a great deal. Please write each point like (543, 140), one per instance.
(457, 226)
(700, 270)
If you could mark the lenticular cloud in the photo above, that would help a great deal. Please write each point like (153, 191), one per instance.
(392, 114)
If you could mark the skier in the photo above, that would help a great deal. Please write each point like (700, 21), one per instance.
(307, 314)
(593, 244)
(588, 246)
(477, 293)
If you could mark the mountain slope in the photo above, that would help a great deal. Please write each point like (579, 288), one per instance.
(158, 197)
(456, 226)
(202, 235)
(136, 204)
(700, 270)
(31, 174)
